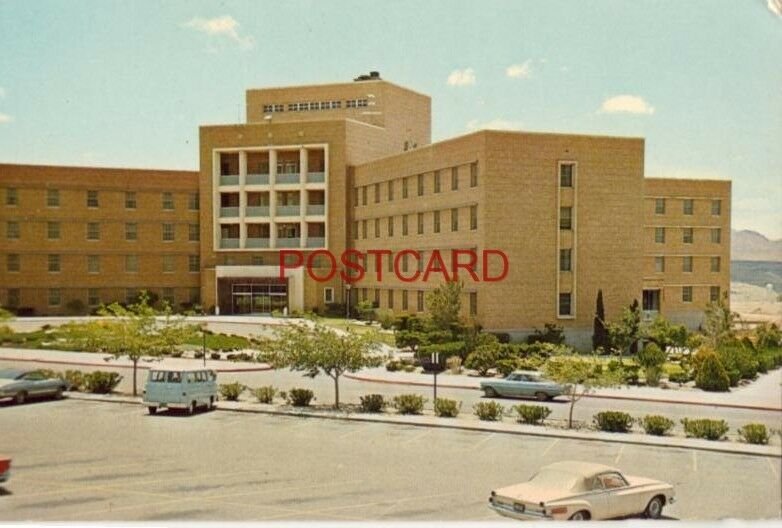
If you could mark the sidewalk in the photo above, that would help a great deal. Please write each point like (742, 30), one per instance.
(95, 360)
(506, 427)
(765, 393)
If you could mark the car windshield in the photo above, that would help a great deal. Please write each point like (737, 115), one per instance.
(549, 478)
(10, 373)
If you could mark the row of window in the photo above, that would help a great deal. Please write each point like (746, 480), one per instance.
(391, 295)
(93, 231)
(93, 199)
(715, 264)
(436, 223)
(314, 105)
(687, 296)
(436, 185)
(95, 298)
(93, 263)
(688, 206)
(688, 235)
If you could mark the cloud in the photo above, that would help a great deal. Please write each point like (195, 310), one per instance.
(494, 124)
(463, 77)
(224, 26)
(5, 118)
(775, 6)
(631, 104)
(520, 71)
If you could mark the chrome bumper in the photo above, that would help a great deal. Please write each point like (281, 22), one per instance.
(508, 511)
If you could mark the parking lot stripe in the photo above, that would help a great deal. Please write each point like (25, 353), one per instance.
(619, 454)
(417, 437)
(482, 441)
(549, 448)
(773, 469)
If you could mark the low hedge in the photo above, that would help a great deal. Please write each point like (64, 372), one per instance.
(372, 403)
(446, 408)
(656, 425)
(409, 403)
(100, 382)
(489, 411)
(231, 391)
(265, 394)
(754, 433)
(613, 421)
(532, 414)
(300, 397)
(705, 428)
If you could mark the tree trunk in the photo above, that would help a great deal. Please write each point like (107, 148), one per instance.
(135, 370)
(570, 413)
(336, 391)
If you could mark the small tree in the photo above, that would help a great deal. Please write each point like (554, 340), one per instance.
(599, 331)
(625, 333)
(444, 304)
(318, 349)
(664, 334)
(580, 376)
(652, 359)
(719, 322)
(711, 375)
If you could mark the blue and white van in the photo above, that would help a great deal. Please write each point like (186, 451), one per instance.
(180, 389)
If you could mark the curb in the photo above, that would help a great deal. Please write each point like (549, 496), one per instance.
(600, 396)
(736, 449)
(109, 364)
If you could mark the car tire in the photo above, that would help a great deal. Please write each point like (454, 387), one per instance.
(211, 403)
(20, 398)
(654, 509)
(151, 409)
(490, 392)
(58, 394)
(581, 515)
(541, 396)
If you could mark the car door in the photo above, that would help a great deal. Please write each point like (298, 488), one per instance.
(597, 498)
(35, 383)
(510, 386)
(622, 498)
(522, 385)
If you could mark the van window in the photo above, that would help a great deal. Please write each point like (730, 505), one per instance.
(174, 377)
(158, 376)
(212, 375)
(191, 377)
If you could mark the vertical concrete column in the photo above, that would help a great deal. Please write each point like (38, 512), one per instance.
(303, 169)
(242, 198)
(272, 199)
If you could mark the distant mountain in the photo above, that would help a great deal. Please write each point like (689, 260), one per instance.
(751, 245)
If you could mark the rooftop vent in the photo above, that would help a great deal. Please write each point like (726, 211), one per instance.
(371, 76)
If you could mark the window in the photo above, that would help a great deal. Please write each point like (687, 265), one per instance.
(131, 231)
(420, 223)
(404, 262)
(404, 300)
(473, 303)
(404, 187)
(436, 222)
(130, 200)
(377, 227)
(612, 481)
(390, 263)
(131, 296)
(390, 190)
(355, 196)
(53, 230)
(193, 263)
(659, 264)
(377, 298)
(437, 181)
(716, 207)
(168, 298)
(93, 297)
(364, 195)
(194, 201)
(421, 260)
(714, 293)
(355, 230)
(13, 297)
(12, 262)
(687, 264)
(93, 264)
(193, 232)
(328, 295)
(131, 263)
(92, 198)
(565, 262)
(716, 235)
(566, 218)
(687, 294)
(565, 304)
(566, 175)
(377, 193)
(12, 230)
(93, 231)
(55, 297)
(364, 229)
(474, 174)
(659, 235)
(390, 299)
(11, 196)
(659, 206)
(455, 178)
(688, 206)
(257, 260)
(454, 219)
(168, 263)
(52, 198)
(404, 225)
(390, 226)
(715, 264)
(687, 235)
(420, 300)
(473, 217)
(54, 264)
(168, 201)
(168, 232)
(420, 185)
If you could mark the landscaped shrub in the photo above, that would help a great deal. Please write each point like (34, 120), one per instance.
(393, 365)
(551, 333)
(734, 376)
(445, 350)
(231, 391)
(506, 366)
(711, 375)
(681, 377)
(373, 403)
(74, 379)
(300, 397)
(490, 411)
(100, 382)
(532, 414)
(736, 356)
(651, 358)
(613, 421)
(483, 359)
(409, 368)
(215, 355)
(754, 433)
(386, 319)
(705, 428)
(446, 408)
(657, 425)
(265, 394)
(454, 364)
(409, 403)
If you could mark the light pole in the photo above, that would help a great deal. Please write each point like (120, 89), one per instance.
(436, 369)
(347, 302)
(203, 346)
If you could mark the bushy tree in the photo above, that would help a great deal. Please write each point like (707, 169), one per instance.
(710, 374)
(444, 304)
(664, 334)
(599, 332)
(767, 335)
(485, 356)
(719, 322)
(625, 333)
(652, 359)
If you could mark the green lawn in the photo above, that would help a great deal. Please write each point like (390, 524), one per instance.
(385, 336)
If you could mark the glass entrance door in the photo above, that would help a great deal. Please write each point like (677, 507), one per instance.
(258, 298)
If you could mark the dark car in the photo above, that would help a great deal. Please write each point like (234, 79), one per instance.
(22, 385)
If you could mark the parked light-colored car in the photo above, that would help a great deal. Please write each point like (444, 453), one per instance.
(580, 491)
(180, 389)
(5, 468)
(522, 384)
(22, 385)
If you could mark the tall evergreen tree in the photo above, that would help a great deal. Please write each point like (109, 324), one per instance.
(599, 333)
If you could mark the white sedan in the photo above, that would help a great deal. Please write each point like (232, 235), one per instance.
(581, 491)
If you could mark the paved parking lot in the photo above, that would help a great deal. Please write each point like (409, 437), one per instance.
(89, 461)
